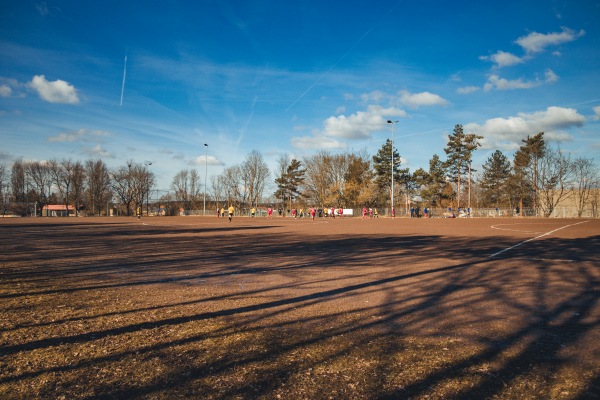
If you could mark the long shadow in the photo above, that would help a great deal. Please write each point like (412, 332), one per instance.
(467, 266)
(527, 360)
(546, 339)
(362, 250)
(43, 343)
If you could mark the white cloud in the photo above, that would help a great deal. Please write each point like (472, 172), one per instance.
(467, 89)
(415, 100)
(404, 97)
(5, 91)
(57, 91)
(11, 88)
(97, 151)
(42, 8)
(81, 134)
(456, 77)
(361, 124)
(495, 82)
(507, 133)
(316, 142)
(550, 76)
(374, 96)
(205, 160)
(67, 136)
(537, 42)
(596, 116)
(502, 59)
(498, 83)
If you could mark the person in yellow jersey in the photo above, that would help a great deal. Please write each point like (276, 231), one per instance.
(252, 212)
(230, 210)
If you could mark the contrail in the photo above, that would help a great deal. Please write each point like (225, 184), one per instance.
(123, 85)
(342, 57)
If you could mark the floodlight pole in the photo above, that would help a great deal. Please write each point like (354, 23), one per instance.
(393, 123)
(205, 174)
(147, 163)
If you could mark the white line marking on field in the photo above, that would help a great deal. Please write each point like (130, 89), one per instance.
(542, 259)
(537, 237)
(526, 224)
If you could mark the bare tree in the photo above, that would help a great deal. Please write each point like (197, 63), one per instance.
(319, 180)
(254, 175)
(98, 191)
(4, 188)
(195, 189)
(3, 175)
(78, 180)
(63, 175)
(123, 187)
(555, 178)
(39, 175)
(18, 182)
(595, 200)
(218, 189)
(186, 185)
(232, 183)
(585, 179)
(181, 189)
(142, 181)
(326, 174)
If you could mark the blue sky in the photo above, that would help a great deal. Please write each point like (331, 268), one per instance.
(292, 77)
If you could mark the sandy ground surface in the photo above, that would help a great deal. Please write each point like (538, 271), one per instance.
(197, 307)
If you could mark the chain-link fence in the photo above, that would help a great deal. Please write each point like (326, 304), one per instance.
(13, 209)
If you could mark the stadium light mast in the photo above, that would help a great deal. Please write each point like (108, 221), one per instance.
(205, 174)
(147, 163)
(393, 123)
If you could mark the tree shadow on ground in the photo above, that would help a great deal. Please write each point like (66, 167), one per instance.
(301, 317)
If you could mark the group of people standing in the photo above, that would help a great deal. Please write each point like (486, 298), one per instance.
(230, 211)
(415, 212)
(312, 212)
(369, 213)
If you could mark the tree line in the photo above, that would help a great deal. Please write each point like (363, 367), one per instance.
(537, 178)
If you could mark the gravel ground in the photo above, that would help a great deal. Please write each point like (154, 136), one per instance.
(197, 307)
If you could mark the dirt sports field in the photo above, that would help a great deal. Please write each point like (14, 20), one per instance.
(192, 307)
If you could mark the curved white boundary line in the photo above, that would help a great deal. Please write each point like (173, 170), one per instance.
(537, 237)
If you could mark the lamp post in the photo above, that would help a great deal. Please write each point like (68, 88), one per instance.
(147, 163)
(205, 174)
(393, 123)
